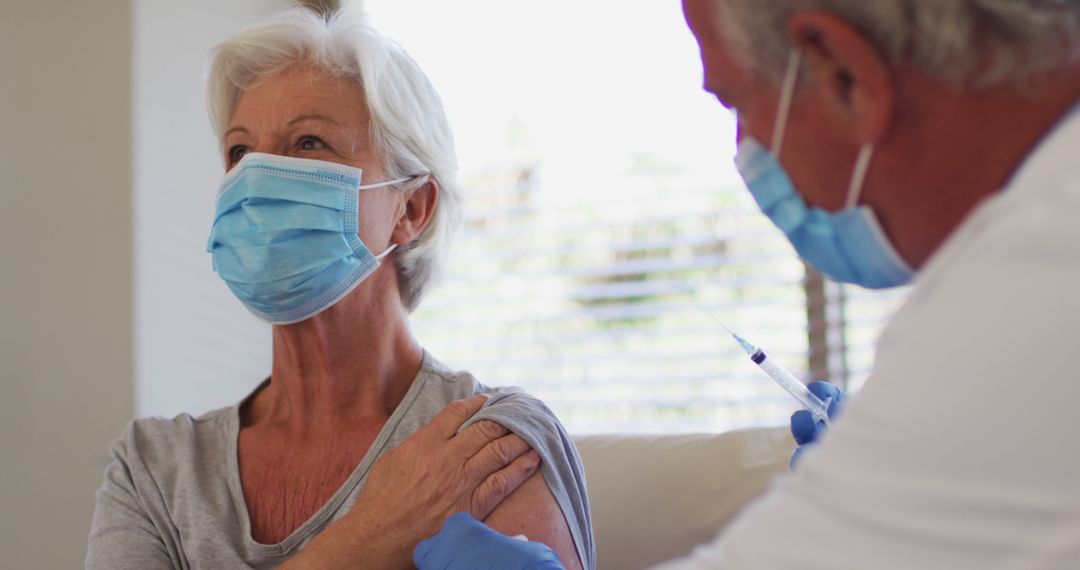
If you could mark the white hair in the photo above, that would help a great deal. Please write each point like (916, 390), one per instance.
(970, 43)
(409, 131)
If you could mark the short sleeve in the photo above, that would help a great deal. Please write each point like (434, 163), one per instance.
(561, 465)
(122, 534)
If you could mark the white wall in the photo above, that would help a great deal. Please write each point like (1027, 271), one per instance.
(197, 348)
(107, 179)
(65, 269)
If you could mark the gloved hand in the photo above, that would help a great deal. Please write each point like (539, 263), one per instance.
(465, 543)
(803, 426)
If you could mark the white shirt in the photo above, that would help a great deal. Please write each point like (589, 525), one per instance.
(963, 449)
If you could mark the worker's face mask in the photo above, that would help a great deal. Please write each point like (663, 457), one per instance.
(848, 246)
(285, 236)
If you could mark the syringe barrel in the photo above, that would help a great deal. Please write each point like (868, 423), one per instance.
(790, 383)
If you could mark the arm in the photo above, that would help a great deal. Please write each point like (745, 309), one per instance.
(533, 511)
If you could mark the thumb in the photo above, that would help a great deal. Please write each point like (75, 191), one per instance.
(829, 393)
(824, 390)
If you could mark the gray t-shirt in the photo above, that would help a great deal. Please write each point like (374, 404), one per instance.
(172, 496)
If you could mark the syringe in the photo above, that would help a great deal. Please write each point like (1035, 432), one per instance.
(819, 410)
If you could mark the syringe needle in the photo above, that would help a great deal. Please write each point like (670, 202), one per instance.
(721, 323)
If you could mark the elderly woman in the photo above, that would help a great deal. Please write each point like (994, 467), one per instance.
(336, 148)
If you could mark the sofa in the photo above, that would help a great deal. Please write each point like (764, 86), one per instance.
(654, 497)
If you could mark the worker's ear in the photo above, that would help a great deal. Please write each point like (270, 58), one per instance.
(419, 209)
(847, 73)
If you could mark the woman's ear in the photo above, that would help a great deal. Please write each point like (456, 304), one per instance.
(419, 209)
(850, 76)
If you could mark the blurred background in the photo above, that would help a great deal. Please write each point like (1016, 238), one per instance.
(606, 231)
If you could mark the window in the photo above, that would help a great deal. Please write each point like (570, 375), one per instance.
(606, 229)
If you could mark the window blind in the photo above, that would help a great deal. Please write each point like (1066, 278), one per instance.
(606, 231)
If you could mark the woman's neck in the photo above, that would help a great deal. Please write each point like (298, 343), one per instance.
(349, 364)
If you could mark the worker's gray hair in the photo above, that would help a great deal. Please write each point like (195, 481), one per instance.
(409, 131)
(970, 43)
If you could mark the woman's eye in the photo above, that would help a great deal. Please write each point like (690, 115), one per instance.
(236, 153)
(310, 143)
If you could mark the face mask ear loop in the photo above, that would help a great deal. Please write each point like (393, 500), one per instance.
(787, 93)
(392, 246)
(862, 164)
(383, 184)
(386, 252)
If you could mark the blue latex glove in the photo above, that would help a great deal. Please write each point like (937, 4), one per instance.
(803, 426)
(465, 543)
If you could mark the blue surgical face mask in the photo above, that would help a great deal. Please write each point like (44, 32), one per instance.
(848, 246)
(285, 237)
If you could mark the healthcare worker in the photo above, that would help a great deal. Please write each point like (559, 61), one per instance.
(900, 141)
